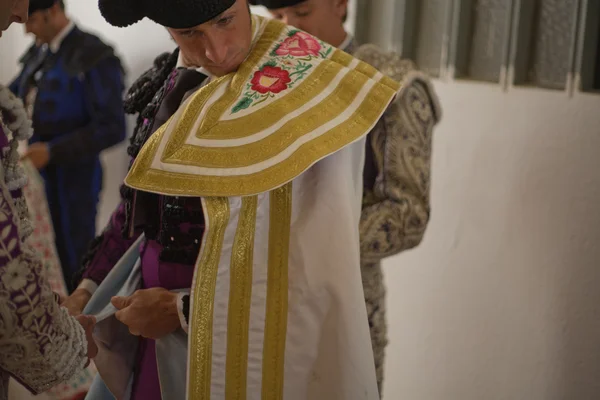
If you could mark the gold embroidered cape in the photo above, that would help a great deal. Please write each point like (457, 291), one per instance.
(294, 101)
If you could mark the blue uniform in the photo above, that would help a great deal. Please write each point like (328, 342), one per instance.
(78, 111)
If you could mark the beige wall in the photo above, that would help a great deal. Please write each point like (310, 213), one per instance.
(502, 299)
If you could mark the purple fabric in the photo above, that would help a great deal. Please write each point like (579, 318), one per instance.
(170, 276)
(146, 385)
(112, 247)
(18, 269)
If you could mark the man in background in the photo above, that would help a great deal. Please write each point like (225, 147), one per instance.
(72, 85)
(398, 154)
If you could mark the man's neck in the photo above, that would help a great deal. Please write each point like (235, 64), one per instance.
(346, 43)
(65, 29)
(338, 37)
(59, 25)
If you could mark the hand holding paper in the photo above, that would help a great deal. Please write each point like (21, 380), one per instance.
(150, 313)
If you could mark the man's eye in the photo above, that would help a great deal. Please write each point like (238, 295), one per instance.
(302, 14)
(224, 21)
(189, 33)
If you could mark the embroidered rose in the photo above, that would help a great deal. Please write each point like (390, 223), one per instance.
(15, 276)
(299, 44)
(270, 79)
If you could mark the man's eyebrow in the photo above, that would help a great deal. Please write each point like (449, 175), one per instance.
(223, 14)
(303, 4)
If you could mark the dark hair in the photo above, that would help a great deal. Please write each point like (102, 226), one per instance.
(61, 3)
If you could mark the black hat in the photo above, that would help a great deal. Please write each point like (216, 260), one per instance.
(178, 14)
(36, 5)
(275, 4)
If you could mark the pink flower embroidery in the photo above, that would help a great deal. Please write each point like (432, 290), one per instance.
(270, 79)
(299, 44)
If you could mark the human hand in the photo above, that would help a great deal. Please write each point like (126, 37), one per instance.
(39, 154)
(77, 301)
(88, 323)
(150, 313)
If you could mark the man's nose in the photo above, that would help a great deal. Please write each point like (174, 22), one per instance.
(20, 11)
(215, 50)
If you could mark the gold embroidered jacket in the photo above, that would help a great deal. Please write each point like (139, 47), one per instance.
(398, 160)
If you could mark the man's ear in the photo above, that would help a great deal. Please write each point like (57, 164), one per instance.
(341, 8)
(55, 9)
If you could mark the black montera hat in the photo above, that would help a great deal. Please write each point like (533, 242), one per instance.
(36, 5)
(178, 14)
(275, 4)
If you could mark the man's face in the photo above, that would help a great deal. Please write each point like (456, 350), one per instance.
(219, 45)
(39, 24)
(12, 11)
(320, 18)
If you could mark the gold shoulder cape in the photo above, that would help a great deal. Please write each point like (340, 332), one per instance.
(293, 101)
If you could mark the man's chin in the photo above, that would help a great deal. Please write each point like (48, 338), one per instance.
(221, 70)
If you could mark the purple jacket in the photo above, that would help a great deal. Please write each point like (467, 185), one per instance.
(40, 344)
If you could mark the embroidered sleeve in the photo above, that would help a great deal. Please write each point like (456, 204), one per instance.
(40, 344)
(396, 210)
(103, 95)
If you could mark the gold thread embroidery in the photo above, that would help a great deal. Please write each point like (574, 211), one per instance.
(366, 69)
(240, 292)
(255, 122)
(221, 177)
(203, 296)
(270, 35)
(308, 89)
(180, 184)
(190, 115)
(198, 100)
(342, 57)
(277, 293)
(253, 153)
(325, 71)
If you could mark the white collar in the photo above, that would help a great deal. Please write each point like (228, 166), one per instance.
(57, 41)
(346, 42)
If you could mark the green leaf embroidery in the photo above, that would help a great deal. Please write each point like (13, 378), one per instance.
(274, 52)
(242, 104)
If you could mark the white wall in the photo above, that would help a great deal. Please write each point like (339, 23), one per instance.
(502, 299)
